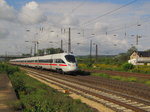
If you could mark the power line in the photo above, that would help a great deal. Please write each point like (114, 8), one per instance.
(107, 13)
(129, 26)
(74, 9)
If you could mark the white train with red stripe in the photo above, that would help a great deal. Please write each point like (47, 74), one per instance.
(64, 62)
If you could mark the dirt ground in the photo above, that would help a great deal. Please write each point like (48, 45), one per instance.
(7, 94)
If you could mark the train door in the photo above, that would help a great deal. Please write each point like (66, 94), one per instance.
(50, 63)
(53, 64)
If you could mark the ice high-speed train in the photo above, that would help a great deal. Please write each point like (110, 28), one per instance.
(63, 62)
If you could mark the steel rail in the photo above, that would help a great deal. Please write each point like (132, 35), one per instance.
(89, 90)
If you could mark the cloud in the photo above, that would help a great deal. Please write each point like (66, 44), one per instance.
(6, 12)
(3, 33)
(54, 15)
(101, 27)
(31, 14)
(69, 20)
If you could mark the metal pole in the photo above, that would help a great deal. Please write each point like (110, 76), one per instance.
(137, 40)
(34, 48)
(96, 55)
(37, 46)
(91, 51)
(69, 41)
(62, 45)
(31, 51)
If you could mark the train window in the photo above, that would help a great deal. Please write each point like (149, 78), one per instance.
(51, 61)
(40, 60)
(46, 61)
(59, 61)
(70, 58)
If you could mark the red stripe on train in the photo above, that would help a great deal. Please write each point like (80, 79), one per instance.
(62, 65)
(43, 64)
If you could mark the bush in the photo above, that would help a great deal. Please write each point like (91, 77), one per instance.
(90, 65)
(147, 82)
(18, 82)
(37, 97)
(127, 66)
(9, 69)
(16, 105)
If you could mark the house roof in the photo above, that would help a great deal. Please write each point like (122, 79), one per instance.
(143, 53)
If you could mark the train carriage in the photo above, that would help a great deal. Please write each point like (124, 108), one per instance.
(64, 62)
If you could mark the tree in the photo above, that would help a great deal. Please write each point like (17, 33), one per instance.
(124, 57)
(148, 50)
(131, 50)
(26, 55)
(41, 52)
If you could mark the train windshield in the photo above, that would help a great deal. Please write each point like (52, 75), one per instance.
(70, 58)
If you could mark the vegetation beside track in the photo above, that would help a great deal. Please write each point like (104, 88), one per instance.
(112, 63)
(37, 97)
(125, 67)
(121, 78)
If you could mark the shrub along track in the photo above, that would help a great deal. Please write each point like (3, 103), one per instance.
(98, 89)
(118, 73)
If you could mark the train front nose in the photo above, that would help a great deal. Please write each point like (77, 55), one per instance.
(72, 66)
(71, 62)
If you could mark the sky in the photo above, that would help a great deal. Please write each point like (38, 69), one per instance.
(111, 24)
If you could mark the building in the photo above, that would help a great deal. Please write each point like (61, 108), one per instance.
(140, 58)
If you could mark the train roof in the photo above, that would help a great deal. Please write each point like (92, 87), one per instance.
(42, 57)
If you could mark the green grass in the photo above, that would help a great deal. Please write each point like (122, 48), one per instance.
(127, 79)
(35, 96)
(101, 75)
(126, 67)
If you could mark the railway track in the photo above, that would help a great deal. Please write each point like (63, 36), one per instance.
(118, 73)
(89, 88)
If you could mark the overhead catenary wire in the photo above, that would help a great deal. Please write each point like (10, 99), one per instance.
(110, 30)
(78, 6)
(105, 14)
(129, 26)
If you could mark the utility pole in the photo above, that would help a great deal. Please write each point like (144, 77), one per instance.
(137, 40)
(34, 48)
(96, 55)
(31, 52)
(37, 46)
(90, 51)
(69, 41)
(62, 45)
